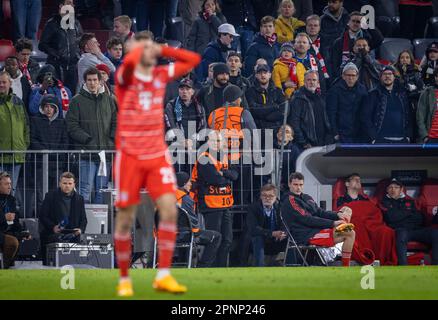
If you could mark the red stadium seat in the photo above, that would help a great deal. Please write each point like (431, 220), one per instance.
(6, 49)
(428, 200)
(90, 23)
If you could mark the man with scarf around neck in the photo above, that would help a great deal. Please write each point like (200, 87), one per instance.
(344, 44)
(265, 46)
(308, 116)
(318, 44)
(427, 113)
(14, 129)
(303, 55)
(401, 214)
(429, 63)
(28, 66)
(20, 85)
(311, 225)
(47, 82)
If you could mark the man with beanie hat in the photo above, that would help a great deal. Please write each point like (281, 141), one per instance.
(386, 117)
(429, 64)
(211, 97)
(344, 102)
(209, 238)
(427, 113)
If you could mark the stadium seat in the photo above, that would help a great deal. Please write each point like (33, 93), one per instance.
(30, 248)
(90, 23)
(385, 25)
(391, 48)
(6, 49)
(431, 30)
(7, 19)
(428, 201)
(396, 26)
(420, 46)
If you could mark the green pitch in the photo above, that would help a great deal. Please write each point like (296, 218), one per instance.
(233, 283)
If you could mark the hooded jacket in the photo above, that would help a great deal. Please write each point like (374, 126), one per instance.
(48, 134)
(214, 52)
(281, 74)
(260, 48)
(204, 31)
(91, 120)
(60, 45)
(14, 127)
(332, 27)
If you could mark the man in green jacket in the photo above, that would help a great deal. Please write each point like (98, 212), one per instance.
(427, 113)
(14, 129)
(91, 125)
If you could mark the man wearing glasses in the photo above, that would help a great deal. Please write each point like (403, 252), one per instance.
(264, 226)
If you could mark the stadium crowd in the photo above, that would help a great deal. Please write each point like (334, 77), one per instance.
(307, 70)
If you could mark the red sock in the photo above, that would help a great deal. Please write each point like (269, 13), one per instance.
(123, 252)
(346, 256)
(166, 243)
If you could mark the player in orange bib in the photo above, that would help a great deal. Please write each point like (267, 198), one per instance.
(142, 159)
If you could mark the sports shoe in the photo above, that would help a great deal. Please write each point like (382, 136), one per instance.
(124, 289)
(168, 284)
(345, 227)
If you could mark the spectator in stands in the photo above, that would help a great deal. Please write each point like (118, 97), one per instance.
(343, 46)
(91, 125)
(91, 56)
(353, 187)
(265, 46)
(214, 177)
(368, 67)
(114, 53)
(14, 128)
(319, 47)
(209, 79)
(303, 55)
(62, 209)
(183, 111)
(427, 113)
(259, 62)
(288, 73)
(345, 101)
(211, 239)
(265, 100)
(10, 227)
(122, 30)
(308, 116)
(217, 50)
(333, 22)
(48, 131)
(20, 85)
(409, 75)
(234, 62)
(429, 64)
(28, 66)
(188, 10)
(303, 8)
(285, 137)
(105, 75)
(401, 214)
(311, 225)
(47, 83)
(205, 27)
(386, 117)
(61, 46)
(26, 15)
(286, 24)
(211, 96)
(264, 224)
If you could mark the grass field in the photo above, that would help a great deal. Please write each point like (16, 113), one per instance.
(232, 283)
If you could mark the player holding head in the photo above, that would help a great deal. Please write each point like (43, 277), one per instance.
(142, 159)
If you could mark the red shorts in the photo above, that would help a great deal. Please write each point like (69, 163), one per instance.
(323, 238)
(131, 174)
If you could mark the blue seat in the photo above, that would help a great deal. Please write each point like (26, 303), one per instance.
(391, 48)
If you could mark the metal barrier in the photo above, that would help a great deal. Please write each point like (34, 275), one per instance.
(35, 172)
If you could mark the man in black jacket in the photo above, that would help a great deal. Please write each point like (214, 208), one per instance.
(62, 209)
(234, 62)
(264, 225)
(61, 46)
(266, 101)
(28, 66)
(312, 225)
(20, 85)
(308, 116)
(400, 213)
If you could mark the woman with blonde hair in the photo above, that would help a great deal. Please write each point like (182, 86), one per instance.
(286, 24)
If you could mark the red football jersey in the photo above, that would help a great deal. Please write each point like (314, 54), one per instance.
(140, 119)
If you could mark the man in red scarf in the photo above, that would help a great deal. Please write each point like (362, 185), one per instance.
(27, 65)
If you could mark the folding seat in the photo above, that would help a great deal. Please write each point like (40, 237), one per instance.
(428, 201)
(420, 46)
(6, 49)
(391, 48)
(385, 25)
(431, 30)
(90, 23)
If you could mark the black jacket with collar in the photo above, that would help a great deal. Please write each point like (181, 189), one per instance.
(304, 218)
(51, 212)
(7, 205)
(256, 220)
(401, 213)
